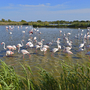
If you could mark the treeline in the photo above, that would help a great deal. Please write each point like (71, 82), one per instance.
(39, 23)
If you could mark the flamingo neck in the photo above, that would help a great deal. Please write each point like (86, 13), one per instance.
(18, 49)
(58, 45)
(41, 43)
(4, 46)
(22, 43)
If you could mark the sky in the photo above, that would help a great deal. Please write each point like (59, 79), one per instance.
(45, 10)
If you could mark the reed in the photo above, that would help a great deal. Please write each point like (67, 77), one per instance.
(71, 77)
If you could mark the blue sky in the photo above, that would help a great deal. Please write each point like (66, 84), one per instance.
(45, 10)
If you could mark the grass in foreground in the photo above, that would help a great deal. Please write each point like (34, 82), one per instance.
(71, 77)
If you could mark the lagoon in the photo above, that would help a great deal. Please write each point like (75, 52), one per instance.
(47, 61)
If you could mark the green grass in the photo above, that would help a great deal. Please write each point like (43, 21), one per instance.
(71, 77)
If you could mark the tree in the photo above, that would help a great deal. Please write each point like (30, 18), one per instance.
(39, 21)
(9, 20)
(23, 21)
(3, 20)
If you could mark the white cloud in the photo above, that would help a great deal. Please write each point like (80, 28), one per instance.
(74, 11)
(40, 5)
(44, 6)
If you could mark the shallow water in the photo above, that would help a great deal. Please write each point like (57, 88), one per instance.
(47, 61)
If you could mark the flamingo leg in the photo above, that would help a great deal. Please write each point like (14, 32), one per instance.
(89, 57)
(52, 54)
(29, 55)
(23, 56)
(36, 50)
(44, 52)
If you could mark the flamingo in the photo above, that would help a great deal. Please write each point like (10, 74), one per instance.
(37, 46)
(60, 31)
(14, 47)
(80, 49)
(46, 46)
(23, 51)
(49, 43)
(43, 49)
(7, 47)
(81, 45)
(23, 31)
(40, 43)
(8, 53)
(20, 45)
(67, 48)
(58, 40)
(35, 38)
(6, 27)
(69, 43)
(68, 51)
(56, 49)
(10, 32)
(29, 44)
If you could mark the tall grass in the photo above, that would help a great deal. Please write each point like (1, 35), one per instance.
(71, 77)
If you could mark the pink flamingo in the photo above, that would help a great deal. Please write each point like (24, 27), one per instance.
(8, 47)
(29, 44)
(67, 50)
(8, 53)
(23, 51)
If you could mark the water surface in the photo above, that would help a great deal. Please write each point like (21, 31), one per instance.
(39, 59)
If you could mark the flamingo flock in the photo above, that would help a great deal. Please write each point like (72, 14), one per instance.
(32, 42)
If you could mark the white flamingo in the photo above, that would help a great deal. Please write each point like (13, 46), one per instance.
(8, 53)
(82, 45)
(29, 44)
(37, 46)
(23, 51)
(43, 49)
(14, 47)
(69, 43)
(7, 47)
(67, 48)
(56, 49)
(68, 51)
(20, 45)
